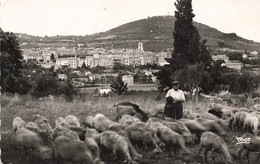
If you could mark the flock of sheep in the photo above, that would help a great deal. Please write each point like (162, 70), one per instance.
(133, 132)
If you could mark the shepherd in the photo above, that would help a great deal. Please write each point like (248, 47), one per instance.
(174, 99)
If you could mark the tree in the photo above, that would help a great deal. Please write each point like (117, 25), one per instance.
(45, 85)
(52, 57)
(186, 36)
(84, 66)
(247, 83)
(98, 69)
(188, 50)
(69, 91)
(118, 86)
(11, 65)
(192, 77)
(204, 55)
(118, 67)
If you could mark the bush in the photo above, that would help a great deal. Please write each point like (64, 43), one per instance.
(69, 91)
(45, 85)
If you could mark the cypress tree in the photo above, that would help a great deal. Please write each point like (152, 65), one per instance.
(186, 36)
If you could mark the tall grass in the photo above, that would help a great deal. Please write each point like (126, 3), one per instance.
(82, 106)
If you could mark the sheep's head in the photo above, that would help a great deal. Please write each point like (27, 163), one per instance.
(89, 122)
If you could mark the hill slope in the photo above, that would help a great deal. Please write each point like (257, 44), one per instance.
(156, 33)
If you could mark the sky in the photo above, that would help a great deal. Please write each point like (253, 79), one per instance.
(84, 17)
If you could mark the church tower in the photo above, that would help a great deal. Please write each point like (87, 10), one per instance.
(140, 46)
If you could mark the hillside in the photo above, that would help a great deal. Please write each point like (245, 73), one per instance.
(154, 32)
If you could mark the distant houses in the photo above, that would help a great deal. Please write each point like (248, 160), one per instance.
(62, 77)
(129, 79)
(233, 64)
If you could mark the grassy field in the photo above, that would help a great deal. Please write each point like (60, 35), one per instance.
(25, 107)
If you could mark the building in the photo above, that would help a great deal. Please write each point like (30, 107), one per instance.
(220, 57)
(129, 79)
(89, 61)
(106, 61)
(161, 58)
(62, 76)
(69, 62)
(255, 53)
(140, 46)
(234, 64)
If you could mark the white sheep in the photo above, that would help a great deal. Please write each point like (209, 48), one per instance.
(238, 120)
(18, 123)
(142, 135)
(101, 123)
(127, 120)
(31, 140)
(72, 120)
(44, 125)
(209, 116)
(88, 121)
(170, 138)
(211, 125)
(115, 142)
(212, 142)
(59, 120)
(251, 123)
(63, 131)
(67, 149)
(176, 126)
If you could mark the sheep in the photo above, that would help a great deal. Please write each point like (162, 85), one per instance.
(32, 126)
(92, 133)
(127, 120)
(92, 138)
(145, 127)
(186, 113)
(209, 116)
(238, 120)
(190, 114)
(193, 115)
(176, 126)
(245, 110)
(79, 130)
(94, 149)
(251, 122)
(194, 127)
(67, 149)
(88, 121)
(18, 123)
(44, 125)
(101, 123)
(72, 120)
(212, 142)
(171, 139)
(211, 125)
(58, 121)
(42, 122)
(31, 140)
(228, 112)
(130, 109)
(252, 146)
(217, 111)
(63, 131)
(116, 143)
(142, 135)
